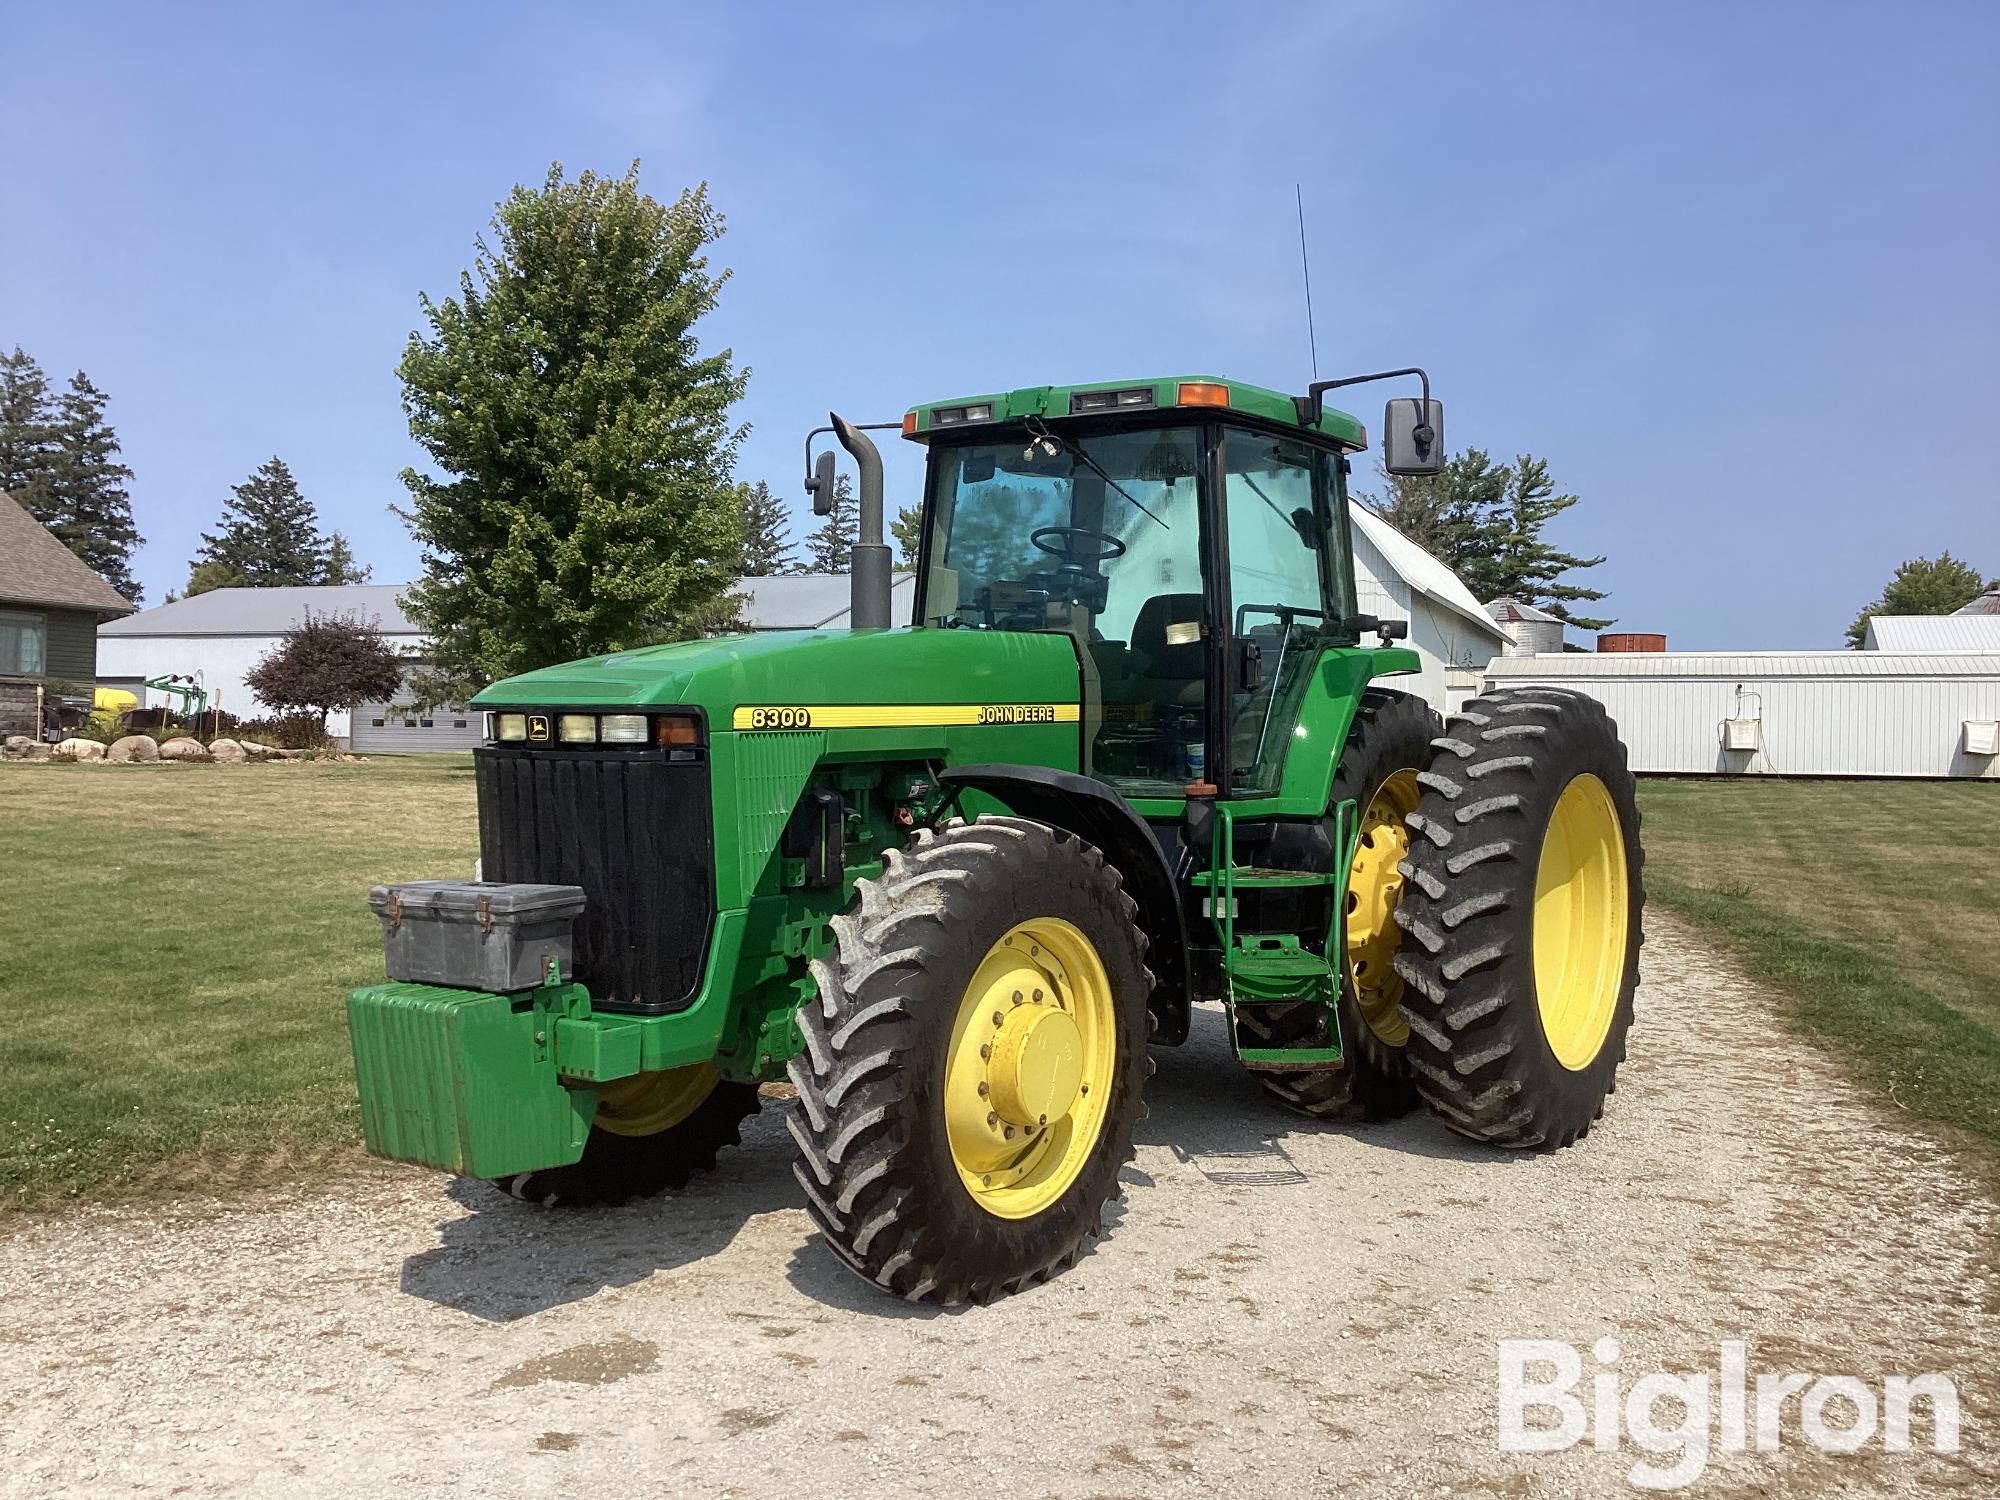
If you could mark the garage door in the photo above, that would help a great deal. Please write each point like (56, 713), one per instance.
(384, 728)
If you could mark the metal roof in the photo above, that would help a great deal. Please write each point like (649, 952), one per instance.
(1962, 632)
(1423, 572)
(35, 568)
(269, 611)
(1743, 665)
(795, 601)
(1513, 611)
(814, 601)
(1987, 603)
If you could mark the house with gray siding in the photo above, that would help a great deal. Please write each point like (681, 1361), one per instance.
(50, 607)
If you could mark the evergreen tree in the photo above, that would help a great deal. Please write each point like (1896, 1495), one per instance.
(1485, 521)
(830, 548)
(908, 531)
(27, 433)
(212, 574)
(767, 549)
(269, 536)
(1923, 586)
(88, 506)
(582, 435)
(341, 568)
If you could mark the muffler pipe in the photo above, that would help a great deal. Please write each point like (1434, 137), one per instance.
(870, 565)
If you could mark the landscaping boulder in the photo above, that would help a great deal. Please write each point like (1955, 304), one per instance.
(183, 748)
(257, 750)
(133, 747)
(75, 749)
(228, 752)
(16, 741)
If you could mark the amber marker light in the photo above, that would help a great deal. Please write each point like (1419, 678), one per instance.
(909, 423)
(675, 729)
(1203, 393)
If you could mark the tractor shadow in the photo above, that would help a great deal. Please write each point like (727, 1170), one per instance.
(1210, 1112)
(505, 1260)
(502, 1260)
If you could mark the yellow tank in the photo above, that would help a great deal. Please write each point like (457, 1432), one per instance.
(114, 700)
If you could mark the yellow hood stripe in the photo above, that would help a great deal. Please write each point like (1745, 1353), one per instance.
(781, 716)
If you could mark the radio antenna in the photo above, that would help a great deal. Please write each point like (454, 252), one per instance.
(1306, 270)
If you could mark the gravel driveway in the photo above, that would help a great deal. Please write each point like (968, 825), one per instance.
(1311, 1310)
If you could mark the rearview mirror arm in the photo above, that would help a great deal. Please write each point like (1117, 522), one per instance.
(1313, 403)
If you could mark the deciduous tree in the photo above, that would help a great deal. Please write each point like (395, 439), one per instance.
(1923, 586)
(581, 438)
(327, 662)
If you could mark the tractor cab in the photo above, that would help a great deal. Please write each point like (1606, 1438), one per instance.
(1189, 535)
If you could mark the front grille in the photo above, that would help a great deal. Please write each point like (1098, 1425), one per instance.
(633, 830)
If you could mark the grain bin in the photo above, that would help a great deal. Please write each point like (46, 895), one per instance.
(1530, 631)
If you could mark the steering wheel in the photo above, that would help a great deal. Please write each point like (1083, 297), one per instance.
(1109, 546)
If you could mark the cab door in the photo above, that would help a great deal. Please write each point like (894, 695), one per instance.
(1284, 542)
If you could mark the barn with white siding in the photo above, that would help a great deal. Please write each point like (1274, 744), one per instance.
(1789, 713)
(1450, 629)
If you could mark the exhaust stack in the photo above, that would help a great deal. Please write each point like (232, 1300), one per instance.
(870, 566)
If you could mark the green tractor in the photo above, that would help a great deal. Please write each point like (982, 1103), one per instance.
(1139, 749)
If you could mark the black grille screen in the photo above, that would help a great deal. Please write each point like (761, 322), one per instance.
(634, 831)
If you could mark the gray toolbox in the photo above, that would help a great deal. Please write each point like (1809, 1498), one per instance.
(474, 934)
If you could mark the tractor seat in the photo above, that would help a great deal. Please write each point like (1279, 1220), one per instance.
(1166, 640)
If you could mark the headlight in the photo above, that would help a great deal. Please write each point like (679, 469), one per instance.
(577, 729)
(622, 729)
(511, 726)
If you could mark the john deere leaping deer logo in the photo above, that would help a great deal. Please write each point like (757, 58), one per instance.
(538, 727)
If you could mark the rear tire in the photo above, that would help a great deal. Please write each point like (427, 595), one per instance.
(1522, 918)
(882, 1124)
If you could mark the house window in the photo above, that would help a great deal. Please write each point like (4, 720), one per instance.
(409, 723)
(458, 723)
(428, 724)
(23, 644)
(375, 723)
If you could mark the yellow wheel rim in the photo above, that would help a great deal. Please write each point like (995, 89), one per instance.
(1374, 886)
(1029, 1069)
(648, 1103)
(1580, 922)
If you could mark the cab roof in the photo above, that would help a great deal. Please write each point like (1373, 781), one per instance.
(1111, 397)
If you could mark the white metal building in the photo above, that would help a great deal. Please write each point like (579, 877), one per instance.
(1959, 632)
(1789, 713)
(1450, 629)
(217, 637)
(1529, 630)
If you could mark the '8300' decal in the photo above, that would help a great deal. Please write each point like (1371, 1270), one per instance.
(782, 716)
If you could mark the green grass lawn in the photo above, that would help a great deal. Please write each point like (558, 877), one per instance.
(1875, 905)
(178, 943)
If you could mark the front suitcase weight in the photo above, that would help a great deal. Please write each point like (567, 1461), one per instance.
(476, 935)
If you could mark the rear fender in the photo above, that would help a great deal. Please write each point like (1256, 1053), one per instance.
(1095, 813)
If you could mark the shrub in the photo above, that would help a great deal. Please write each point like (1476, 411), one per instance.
(287, 732)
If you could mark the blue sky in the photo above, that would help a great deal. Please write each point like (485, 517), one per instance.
(1729, 267)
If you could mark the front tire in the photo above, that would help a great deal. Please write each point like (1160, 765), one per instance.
(1523, 918)
(652, 1132)
(975, 1062)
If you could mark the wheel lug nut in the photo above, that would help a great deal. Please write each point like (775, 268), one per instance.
(1044, 1120)
(991, 1118)
(982, 1091)
(1038, 995)
(998, 1018)
(1017, 997)
(985, 1050)
(1009, 1132)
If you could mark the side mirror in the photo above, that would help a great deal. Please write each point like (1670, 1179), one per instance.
(820, 485)
(1413, 436)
